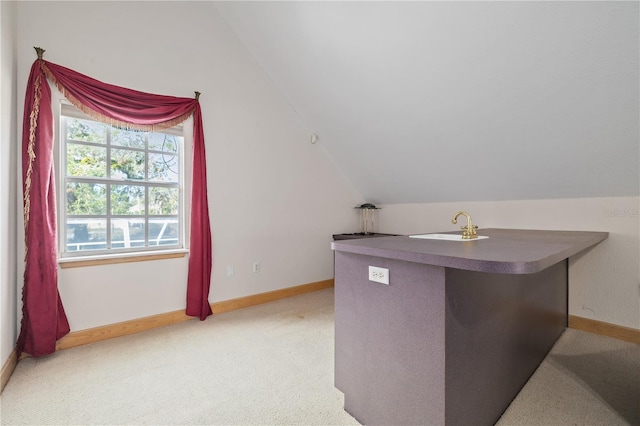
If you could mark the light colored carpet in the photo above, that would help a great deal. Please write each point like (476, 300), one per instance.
(586, 379)
(273, 365)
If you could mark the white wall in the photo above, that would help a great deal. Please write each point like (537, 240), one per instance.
(509, 100)
(8, 192)
(604, 282)
(273, 196)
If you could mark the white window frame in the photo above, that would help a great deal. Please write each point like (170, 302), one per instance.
(91, 257)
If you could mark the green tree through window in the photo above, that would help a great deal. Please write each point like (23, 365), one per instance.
(122, 188)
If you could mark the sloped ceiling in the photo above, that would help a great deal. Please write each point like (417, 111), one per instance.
(460, 101)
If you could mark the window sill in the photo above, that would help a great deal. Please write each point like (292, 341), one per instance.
(79, 262)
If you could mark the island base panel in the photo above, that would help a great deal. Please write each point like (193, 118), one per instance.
(382, 333)
(440, 345)
(499, 328)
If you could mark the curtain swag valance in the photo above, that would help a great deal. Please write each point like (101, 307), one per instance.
(43, 317)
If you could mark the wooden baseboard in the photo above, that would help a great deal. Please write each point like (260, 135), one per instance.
(271, 296)
(84, 337)
(91, 335)
(619, 332)
(7, 369)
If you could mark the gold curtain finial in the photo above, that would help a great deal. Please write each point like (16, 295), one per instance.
(197, 95)
(40, 51)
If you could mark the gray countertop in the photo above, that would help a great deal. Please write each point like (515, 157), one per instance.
(507, 251)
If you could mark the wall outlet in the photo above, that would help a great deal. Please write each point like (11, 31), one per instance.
(230, 270)
(256, 267)
(379, 275)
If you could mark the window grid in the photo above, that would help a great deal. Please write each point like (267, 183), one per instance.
(111, 219)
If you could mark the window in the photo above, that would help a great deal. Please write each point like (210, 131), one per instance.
(122, 189)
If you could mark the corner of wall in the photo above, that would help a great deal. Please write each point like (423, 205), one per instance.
(8, 185)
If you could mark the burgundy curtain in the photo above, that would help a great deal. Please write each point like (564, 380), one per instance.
(44, 320)
(43, 317)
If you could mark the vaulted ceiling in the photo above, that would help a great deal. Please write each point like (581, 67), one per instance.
(460, 101)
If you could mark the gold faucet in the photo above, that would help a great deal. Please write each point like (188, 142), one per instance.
(469, 231)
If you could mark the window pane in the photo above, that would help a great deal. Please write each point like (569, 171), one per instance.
(86, 234)
(163, 201)
(163, 232)
(163, 168)
(136, 205)
(127, 200)
(86, 160)
(86, 131)
(127, 164)
(126, 233)
(86, 198)
(128, 138)
(163, 142)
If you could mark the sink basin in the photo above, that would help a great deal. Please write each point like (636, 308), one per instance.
(446, 237)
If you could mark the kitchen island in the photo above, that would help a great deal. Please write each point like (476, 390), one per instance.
(459, 328)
